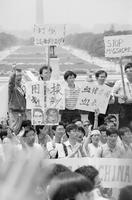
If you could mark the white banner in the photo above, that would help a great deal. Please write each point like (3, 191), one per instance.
(55, 95)
(93, 96)
(49, 34)
(34, 94)
(118, 46)
(115, 173)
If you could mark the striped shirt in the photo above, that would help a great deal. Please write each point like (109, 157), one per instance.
(71, 97)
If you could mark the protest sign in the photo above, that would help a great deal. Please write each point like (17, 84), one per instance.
(52, 116)
(34, 95)
(3, 101)
(37, 116)
(49, 34)
(55, 95)
(93, 96)
(118, 46)
(115, 173)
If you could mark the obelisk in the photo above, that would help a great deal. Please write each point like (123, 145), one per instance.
(39, 13)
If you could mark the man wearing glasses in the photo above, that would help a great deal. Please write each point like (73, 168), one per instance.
(124, 100)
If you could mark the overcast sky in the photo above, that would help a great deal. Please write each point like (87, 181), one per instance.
(21, 14)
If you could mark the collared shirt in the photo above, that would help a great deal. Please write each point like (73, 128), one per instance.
(94, 151)
(126, 150)
(71, 149)
(71, 97)
(118, 89)
(108, 152)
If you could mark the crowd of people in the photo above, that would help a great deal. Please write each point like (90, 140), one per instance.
(100, 136)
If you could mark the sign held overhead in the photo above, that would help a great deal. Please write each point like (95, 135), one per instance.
(118, 46)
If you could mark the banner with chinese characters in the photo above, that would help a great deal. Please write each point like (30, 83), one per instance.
(34, 95)
(55, 95)
(45, 99)
(93, 96)
(49, 34)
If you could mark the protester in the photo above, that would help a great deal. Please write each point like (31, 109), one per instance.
(126, 137)
(93, 149)
(45, 73)
(74, 144)
(16, 101)
(100, 76)
(70, 185)
(111, 149)
(71, 95)
(125, 100)
(103, 136)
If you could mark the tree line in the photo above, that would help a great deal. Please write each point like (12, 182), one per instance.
(7, 40)
(92, 43)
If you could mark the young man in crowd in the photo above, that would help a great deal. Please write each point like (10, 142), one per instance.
(45, 73)
(126, 137)
(111, 149)
(100, 76)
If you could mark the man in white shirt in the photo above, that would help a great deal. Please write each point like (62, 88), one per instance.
(125, 100)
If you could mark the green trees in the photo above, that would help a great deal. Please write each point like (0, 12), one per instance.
(92, 43)
(7, 40)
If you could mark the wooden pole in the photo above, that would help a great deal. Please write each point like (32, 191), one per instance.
(122, 77)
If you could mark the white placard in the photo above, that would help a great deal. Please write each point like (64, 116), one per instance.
(34, 95)
(118, 46)
(55, 95)
(93, 96)
(49, 34)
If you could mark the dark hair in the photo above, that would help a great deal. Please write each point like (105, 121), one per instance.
(60, 124)
(43, 68)
(3, 133)
(70, 127)
(102, 128)
(100, 72)
(26, 123)
(27, 131)
(38, 127)
(126, 193)
(68, 185)
(89, 172)
(81, 129)
(109, 117)
(123, 130)
(69, 73)
(111, 131)
(55, 170)
(128, 66)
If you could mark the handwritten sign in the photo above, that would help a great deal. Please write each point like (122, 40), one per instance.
(49, 35)
(93, 96)
(114, 173)
(55, 95)
(34, 97)
(118, 46)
